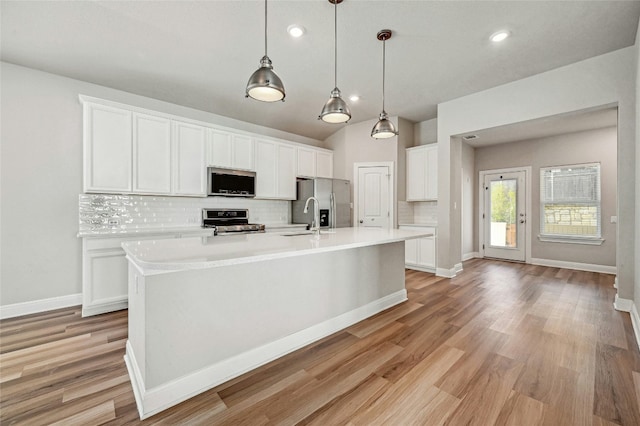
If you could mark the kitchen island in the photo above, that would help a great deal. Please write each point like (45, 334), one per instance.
(205, 310)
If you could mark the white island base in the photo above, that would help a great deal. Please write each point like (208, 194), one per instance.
(193, 329)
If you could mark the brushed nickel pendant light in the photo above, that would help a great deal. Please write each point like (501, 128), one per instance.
(264, 84)
(336, 109)
(384, 128)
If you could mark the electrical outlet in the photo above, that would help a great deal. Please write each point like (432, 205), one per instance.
(114, 222)
(614, 219)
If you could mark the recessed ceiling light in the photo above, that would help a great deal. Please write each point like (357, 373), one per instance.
(295, 30)
(354, 98)
(499, 36)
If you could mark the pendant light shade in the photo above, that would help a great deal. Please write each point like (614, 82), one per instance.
(384, 128)
(264, 84)
(336, 109)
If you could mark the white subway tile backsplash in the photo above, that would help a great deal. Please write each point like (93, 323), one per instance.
(129, 212)
(425, 212)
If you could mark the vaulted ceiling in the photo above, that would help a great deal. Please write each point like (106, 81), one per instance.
(201, 53)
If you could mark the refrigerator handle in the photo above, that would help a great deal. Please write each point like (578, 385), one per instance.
(332, 202)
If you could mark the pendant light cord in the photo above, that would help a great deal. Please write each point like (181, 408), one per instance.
(265, 27)
(335, 42)
(384, 43)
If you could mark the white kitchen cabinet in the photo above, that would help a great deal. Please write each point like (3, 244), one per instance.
(105, 270)
(422, 173)
(324, 164)
(230, 151)
(313, 163)
(275, 170)
(420, 254)
(189, 170)
(151, 154)
(107, 149)
(305, 162)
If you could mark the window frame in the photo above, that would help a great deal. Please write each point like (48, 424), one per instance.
(570, 238)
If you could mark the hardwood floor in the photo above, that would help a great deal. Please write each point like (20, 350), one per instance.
(502, 343)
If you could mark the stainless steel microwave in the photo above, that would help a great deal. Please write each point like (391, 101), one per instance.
(231, 183)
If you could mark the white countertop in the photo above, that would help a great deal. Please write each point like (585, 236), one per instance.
(424, 224)
(125, 233)
(159, 256)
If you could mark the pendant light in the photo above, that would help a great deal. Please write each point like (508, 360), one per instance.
(384, 128)
(264, 84)
(336, 109)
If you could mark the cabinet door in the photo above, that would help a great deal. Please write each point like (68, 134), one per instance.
(286, 172)
(411, 252)
(266, 169)
(219, 149)
(107, 149)
(431, 191)
(104, 281)
(324, 164)
(151, 154)
(189, 169)
(416, 163)
(243, 152)
(427, 252)
(306, 162)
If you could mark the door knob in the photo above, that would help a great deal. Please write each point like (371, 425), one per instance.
(361, 221)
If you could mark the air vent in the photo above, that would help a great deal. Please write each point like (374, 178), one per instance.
(470, 137)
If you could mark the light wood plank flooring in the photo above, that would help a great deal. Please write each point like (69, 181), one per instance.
(502, 343)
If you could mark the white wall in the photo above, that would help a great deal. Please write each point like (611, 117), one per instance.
(593, 146)
(468, 201)
(425, 132)
(41, 177)
(607, 79)
(637, 258)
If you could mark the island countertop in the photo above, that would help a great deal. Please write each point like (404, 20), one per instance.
(162, 256)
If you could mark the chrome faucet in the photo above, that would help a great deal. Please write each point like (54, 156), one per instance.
(315, 225)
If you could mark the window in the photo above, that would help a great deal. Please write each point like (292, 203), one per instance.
(570, 203)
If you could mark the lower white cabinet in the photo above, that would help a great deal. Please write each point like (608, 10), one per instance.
(105, 271)
(420, 254)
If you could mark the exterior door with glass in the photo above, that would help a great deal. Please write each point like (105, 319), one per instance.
(505, 215)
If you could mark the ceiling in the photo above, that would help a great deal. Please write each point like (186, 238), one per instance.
(561, 124)
(200, 54)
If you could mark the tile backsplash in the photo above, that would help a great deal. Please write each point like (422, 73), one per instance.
(110, 212)
(425, 212)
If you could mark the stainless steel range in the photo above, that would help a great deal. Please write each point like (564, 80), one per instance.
(229, 221)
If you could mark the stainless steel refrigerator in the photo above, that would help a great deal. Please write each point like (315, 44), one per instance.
(334, 196)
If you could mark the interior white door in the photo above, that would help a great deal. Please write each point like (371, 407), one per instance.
(373, 197)
(505, 215)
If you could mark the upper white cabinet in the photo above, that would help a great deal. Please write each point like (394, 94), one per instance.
(422, 173)
(275, 170)
(229, 150)
(151, 154)
(311, 162)
(107, 149)
(324, 164)
(130, 150)
(189, 170)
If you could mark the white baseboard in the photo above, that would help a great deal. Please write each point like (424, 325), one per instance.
(449, 273)
(117, 304)
(635, 320)
(627, 305)
(37, 306)
(624, 305)
(152, 401)
(615, 282)
(603, 269)
(420, 268)
(471, 255)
